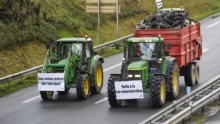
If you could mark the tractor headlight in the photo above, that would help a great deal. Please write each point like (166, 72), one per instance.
(129, 75)
(137, 76)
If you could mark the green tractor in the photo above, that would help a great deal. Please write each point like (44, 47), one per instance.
(71, 63)
(146, 68)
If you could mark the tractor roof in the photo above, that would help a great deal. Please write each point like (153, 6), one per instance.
(75, 39)
(146, 39)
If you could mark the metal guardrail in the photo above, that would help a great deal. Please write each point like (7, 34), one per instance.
(184, 107)
(38, 68)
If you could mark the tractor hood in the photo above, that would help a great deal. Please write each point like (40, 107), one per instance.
(138, 65)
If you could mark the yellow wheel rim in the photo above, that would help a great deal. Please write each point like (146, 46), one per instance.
(162, 91)
(50, 94)
(99, 76)
(86, 86)
(175, 82)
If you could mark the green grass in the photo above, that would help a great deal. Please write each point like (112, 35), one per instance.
(15, 85)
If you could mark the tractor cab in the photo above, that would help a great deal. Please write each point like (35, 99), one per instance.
(78, 47)
(77, 51)
(143, 57)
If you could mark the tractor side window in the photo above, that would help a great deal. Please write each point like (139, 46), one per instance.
(64, 51)
(88, 53)
(160, 50)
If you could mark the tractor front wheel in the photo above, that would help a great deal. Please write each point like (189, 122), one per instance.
(98, 75)
(83, 86)
(46, 95)
(113, 102)
(158, 91)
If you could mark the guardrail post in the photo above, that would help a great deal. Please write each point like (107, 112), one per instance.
(20, 81)
(9, 84)
(203, 109)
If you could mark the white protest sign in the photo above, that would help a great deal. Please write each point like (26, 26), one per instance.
(129, 89)
(51, 82)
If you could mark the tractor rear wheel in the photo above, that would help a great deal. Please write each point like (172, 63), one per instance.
(197, 72)
(113, 102)
(158, 90)
(189, 75)
(173, 79)
(64, 92)
(46, 95)
(98, 77)
(83, 86)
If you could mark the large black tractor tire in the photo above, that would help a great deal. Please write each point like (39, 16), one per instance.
(158, 91)
(98, 77)
(113, 102)
(197, 73)
(189, 75)
(83, 86)
(173, 81)
(46, 95)
(64, 92)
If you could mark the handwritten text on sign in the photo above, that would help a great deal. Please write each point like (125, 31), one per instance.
(129, 89)
(51, 82)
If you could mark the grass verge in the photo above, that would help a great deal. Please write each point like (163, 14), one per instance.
(15, 85)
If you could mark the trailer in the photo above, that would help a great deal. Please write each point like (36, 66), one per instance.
(183, 44)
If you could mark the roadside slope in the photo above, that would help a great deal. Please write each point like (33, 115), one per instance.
(67, 18)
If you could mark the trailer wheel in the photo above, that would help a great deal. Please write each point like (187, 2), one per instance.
(46, 95)
(64, 92)
(98, 79)
(173, 79)
(83, 86)
(158, 91)
(197, 72)
(189, 75)
(113, 102)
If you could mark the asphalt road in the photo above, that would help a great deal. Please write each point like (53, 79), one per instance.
(26, 106)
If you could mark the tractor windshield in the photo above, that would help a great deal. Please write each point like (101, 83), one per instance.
(77, 49)
(143, 51)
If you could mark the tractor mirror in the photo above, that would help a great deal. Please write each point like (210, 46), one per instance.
(168, 45)
(95, 53)
(53, 49)
(48, 46)
(117, 46)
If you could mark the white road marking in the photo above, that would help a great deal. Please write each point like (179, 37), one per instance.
(107, 69)
(26, 101)
(111, 67)
(204, 50)
(213, 24)
(102, 100)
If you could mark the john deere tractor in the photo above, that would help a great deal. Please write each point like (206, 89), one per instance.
(71, 63)
(146, 68)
